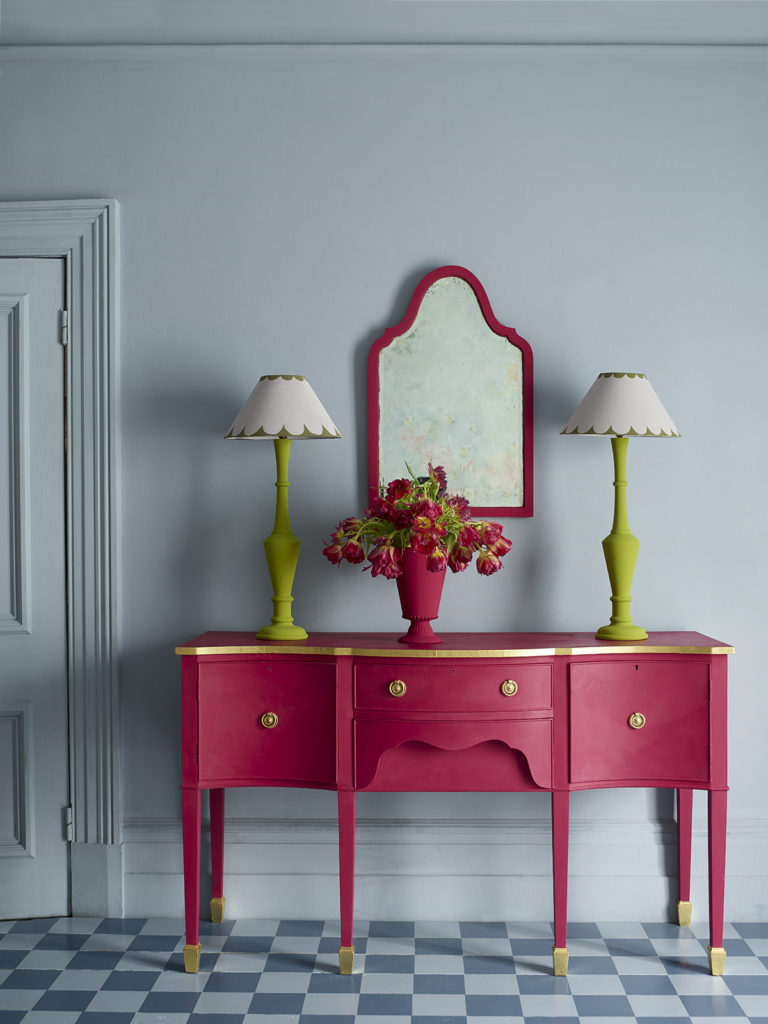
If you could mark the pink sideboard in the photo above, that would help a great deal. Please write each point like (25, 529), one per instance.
(481, 712)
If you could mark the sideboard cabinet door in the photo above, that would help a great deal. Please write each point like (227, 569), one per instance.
(269, 722)
(642, 724)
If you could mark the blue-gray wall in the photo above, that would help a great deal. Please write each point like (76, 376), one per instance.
(278, 206)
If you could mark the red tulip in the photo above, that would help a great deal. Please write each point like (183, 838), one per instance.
(398, 489)
(490, 532)
(500, 547)
(333, 553)
(469, 535)
(353, 552)
(437, 560)
(487, 563)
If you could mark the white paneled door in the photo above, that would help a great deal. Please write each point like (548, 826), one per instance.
(34, 759)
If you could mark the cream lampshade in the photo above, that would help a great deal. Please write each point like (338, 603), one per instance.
(281, 408)
(621, 405)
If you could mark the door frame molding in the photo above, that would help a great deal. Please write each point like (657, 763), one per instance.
(84, 232)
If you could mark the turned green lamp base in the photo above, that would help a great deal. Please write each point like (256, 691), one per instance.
(620, 548)
(282, 551)
(284, 632)
(621, 631)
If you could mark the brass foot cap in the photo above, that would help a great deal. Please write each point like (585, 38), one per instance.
(560, 960)
(192, 959)
(684, 908)
(716, 956)
(346, 959)
(218, 905)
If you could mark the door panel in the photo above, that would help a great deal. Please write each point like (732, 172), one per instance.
(34, 758)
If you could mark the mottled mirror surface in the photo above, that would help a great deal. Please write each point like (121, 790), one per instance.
(450, 392)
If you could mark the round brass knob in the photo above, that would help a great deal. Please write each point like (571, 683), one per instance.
(269, 719)
(636, 720)
(397, 688)
(509, 687)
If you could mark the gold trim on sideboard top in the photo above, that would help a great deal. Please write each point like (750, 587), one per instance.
(413, 652)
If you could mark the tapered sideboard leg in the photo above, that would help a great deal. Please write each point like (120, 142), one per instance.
(684, 825)
(346, 878)
(218, 901)
(716, 822)
(560, 815)
(190, 814)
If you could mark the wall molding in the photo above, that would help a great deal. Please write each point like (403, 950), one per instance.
(17, 836)
(447, 869)
(14, 310)
(85, 233)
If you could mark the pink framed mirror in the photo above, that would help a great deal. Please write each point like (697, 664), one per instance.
(451, 385)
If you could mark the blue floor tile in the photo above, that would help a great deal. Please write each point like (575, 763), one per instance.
(489, 964)
(747, 984)
(36, 924)
(630, 947)
(30, 979)
(384, 1004)
(712, 1006)
(493, 1006)
(61, 940)
(301, 928)
(753, 930)
(105, 1018)
(61, 999)
(438, 947)
(591, 965)
(232, 981)
(603, 1006)
(392, 929)
(94, 960)
(483, 930)
(648, 985)
(10, 958)
(542, 985)
(120, 926)
(277, 1002)
(130, 981)
(170, 1002)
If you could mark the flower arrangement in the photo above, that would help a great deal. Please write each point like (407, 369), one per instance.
(417, 513)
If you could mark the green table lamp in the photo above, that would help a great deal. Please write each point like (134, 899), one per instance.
(282, 408)
(621, 405)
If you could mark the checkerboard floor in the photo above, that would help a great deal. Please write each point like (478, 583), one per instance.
(131, 971)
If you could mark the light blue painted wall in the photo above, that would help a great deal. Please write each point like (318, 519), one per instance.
(278, 207)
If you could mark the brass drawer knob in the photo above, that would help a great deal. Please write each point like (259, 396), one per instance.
(509, 687)
(397, 688)
(269, 719)
(636, 720)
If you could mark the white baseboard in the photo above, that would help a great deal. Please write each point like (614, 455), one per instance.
(449, 870)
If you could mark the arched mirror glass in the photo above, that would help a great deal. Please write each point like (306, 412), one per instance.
(451, 385)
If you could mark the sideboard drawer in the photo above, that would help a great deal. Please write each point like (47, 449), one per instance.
(467, 756)
(642, 723)
(267, 721)
(431, 686)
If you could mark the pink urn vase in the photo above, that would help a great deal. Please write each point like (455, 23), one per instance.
(420, 591)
